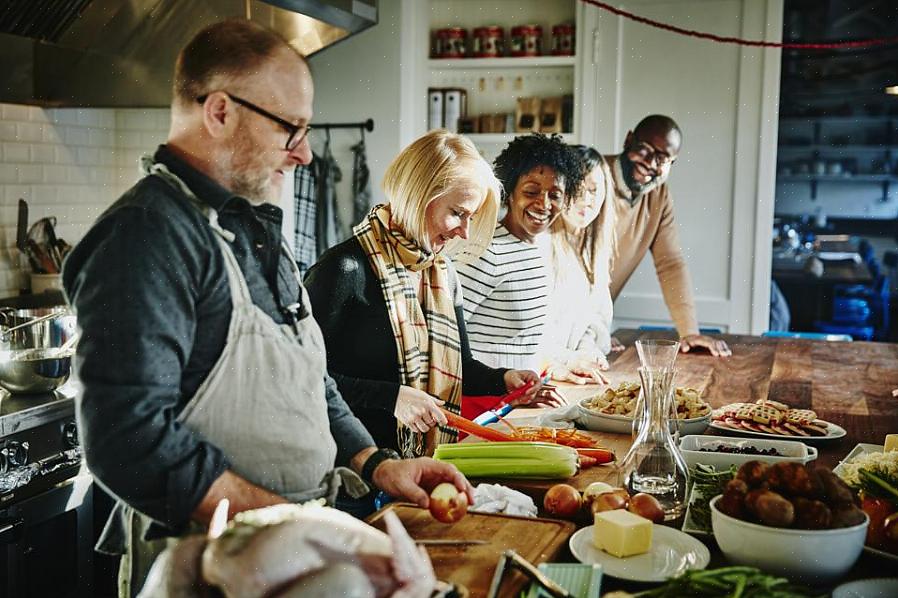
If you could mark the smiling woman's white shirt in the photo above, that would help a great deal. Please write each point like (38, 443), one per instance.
(506, 301)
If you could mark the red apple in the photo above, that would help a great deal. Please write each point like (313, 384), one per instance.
(646, 505)
(447, 504)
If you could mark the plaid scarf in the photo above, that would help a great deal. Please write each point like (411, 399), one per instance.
(426, 331)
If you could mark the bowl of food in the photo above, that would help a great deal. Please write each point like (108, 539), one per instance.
(722, 453)
(32, 371)
(613, 410)
(789, 519)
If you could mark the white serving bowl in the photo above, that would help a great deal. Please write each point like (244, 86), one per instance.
(623, 424)
(805, 556)
(789, 449)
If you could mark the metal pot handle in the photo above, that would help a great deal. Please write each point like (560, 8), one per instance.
(5, 334)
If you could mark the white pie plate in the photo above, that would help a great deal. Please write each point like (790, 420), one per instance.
(834, 433)
(672, 553)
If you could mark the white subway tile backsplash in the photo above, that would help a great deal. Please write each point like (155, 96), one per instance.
(55, 174)
(12, 195)
(7, 131)
(29, 173)
(15, 152)
(75, 136)
(43, 153)
(100, 138)
(14, 112)
(8, 174)
(29, 132)
(69, 163)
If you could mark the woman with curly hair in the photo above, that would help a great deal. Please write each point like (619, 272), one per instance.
(506, 289)
(578, 334)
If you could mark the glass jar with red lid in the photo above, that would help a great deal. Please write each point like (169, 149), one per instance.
(488, 42)
(526, 40)
(563, 41)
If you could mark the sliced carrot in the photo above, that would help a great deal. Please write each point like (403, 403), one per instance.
(465, 425)
(599, 454)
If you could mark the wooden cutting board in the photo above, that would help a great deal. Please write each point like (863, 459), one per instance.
(472, 565)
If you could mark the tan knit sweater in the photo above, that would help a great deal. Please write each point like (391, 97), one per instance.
(647, 223)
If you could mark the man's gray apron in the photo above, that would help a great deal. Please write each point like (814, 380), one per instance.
(262, 403)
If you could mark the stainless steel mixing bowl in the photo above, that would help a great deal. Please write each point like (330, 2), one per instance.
(32, 371)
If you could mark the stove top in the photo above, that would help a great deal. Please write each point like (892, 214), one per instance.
(39, 445)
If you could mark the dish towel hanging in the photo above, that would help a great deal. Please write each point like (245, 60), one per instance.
(305, 194)
(361, 182)
(329, 230)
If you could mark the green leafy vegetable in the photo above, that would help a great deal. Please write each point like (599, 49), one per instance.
(707, 483)
(733, 582)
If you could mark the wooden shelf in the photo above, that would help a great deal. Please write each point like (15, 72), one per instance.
(500, 63)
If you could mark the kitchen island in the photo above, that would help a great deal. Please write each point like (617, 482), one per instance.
(848, 384)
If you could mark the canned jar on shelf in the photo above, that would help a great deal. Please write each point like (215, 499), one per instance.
(488, 42)
(563, 40)
(452, 42)
(527, 40)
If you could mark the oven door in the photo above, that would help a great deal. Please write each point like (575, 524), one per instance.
(46, 543)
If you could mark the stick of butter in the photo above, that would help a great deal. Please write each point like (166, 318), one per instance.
(622, 533)
(891, 443)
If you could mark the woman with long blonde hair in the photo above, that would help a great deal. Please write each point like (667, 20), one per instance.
(580, 309)
(389, 302)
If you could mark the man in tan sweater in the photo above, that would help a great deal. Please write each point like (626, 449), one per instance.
(645, 221)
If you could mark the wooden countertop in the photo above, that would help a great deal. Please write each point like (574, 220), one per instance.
(849, 384)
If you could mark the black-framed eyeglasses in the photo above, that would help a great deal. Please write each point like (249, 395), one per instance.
(648, 152)
(296, 133)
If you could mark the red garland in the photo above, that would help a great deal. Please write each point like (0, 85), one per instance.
(865, 43)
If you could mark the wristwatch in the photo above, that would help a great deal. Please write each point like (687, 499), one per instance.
(376, 458)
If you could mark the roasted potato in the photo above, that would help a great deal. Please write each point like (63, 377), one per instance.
(811, 514)
(753, 473)
(835, 492)
(791, 478)
(772, 509)
(846, 516)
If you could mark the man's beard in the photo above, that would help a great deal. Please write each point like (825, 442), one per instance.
(246, 170)
(627, 168)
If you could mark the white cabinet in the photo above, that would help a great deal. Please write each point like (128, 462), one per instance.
(492, 85)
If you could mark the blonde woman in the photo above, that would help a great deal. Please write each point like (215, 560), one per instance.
(389, 302)
(578, 331)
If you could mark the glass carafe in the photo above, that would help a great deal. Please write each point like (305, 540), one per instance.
(655, 354)
(654, 464)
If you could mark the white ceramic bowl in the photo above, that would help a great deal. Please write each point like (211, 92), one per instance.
(789, 449)
(623, 424)
(804, 556)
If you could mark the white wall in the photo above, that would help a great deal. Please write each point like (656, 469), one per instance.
(358, 79)
(725, 99)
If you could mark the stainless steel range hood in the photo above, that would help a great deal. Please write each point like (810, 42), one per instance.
(120, 53)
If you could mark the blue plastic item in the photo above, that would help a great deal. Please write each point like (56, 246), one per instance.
(858, 333)
(851, 311)
(810, 336)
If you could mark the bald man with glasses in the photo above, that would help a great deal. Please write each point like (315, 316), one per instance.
(645, 222)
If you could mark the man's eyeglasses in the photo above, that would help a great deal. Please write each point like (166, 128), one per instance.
(648, 153)
(296, 133)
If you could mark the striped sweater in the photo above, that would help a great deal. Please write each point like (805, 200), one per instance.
(505, 301)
